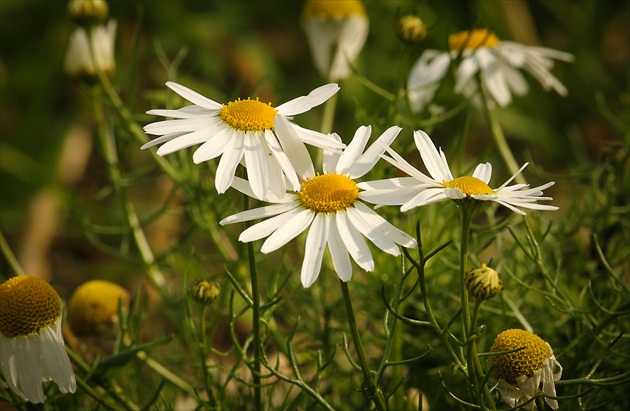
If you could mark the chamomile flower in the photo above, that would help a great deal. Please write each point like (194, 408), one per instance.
(243, 130)
(336, 32)
(419, 189)
(93, 307)
(330, 204)
(497, 63)
(93, 52)
(519, 374)
(32, 349)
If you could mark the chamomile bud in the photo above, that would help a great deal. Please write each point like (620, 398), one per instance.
(483, 283)
(205, 292)
(410, 29)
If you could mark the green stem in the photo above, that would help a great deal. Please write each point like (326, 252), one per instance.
(10, 257)
(500, 140)
(256, 318)
(374, 391)
(111, 158)
(203, 348)
(466, 213)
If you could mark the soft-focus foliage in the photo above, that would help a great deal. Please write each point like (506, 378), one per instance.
(80, 201)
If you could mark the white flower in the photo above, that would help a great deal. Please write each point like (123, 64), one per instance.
(519, 374)
(336, 32)
(88, 54)
(497, 62)
(330, 205)
(419, 189)
(243, 130)
(32, 349)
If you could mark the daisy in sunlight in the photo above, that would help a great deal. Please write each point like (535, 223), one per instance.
(419, 189)
(243, 130)
(330, 204)
(497, 62)
(32, 349)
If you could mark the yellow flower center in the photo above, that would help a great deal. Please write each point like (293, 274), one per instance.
(27, 305)
(95, 304)
(472, 39)
(248, 115)
(328, 193)
(333, 9)
(523, 362)
(469, 185)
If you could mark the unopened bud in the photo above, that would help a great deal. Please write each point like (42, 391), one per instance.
(88, 12)
(410, 29)
(205, 292)
(483, 283)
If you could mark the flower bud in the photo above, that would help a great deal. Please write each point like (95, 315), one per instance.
(205, 292)
(410, 29)
(483, 283)
(93, 307)
(88, 12)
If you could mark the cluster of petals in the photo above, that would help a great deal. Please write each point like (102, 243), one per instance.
(268, 153)
(342, 230)
(498, 64)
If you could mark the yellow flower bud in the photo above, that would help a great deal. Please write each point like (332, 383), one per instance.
(483, 283)
(410, 29)
(205, 292)
(93, 307)
(88, 12)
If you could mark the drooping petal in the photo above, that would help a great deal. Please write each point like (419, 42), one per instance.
(314, 250)
(354, 242)
(256, 164)
(294, 148)
(337, 248)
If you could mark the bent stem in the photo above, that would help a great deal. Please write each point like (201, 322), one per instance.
(373, 389)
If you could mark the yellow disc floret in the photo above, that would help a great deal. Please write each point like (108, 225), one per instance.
(472, 39)
(329, 9)
(523, 362)
(27, 305)
(94, 305)
(248, 115)
(328, 193)
(469, 185)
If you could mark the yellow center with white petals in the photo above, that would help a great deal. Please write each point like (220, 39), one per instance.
(524, 362)
(27, 305)
(472, 39)
(328, 193)
(332, 9)
(469, 185)
(248, 115)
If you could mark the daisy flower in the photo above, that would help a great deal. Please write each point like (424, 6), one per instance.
(90, 53)
(419, 189)
(497, 62)
(336, 32)
(519, 374)
(243, 130)
(32, 349)
(330, 204)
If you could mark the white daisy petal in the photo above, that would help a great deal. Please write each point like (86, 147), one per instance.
(188, 140)
(354, 149)
(305, 103)
(267, 227)
(483, 172)
(338, 250)
(293, 227)
(354, 242)
(369, 158)
(434, 161)
(256, 164)
(314, 250)
(193, 96)
(261, 212)
(369, 226)
(229, 161)
(294, 148)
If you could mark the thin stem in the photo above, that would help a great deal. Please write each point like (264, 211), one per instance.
(10, 257)
(466, 213)
(499, 138)
(256, 318)
(111, 158)
(373, 388)
(203, 347)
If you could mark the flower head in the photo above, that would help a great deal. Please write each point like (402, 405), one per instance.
(330, 204)
(410, 29)
(498, 63)
(336, 32)
(520, 373)
(91, 53)
(31, 345)
(246, 130)
(88, 11)
(93, 307)
(419, 189)
(483, 283)
(204, 291)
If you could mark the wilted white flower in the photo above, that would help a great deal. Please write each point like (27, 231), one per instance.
(32, 349)
(90, 53)
(497, 63)
(336, 32)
